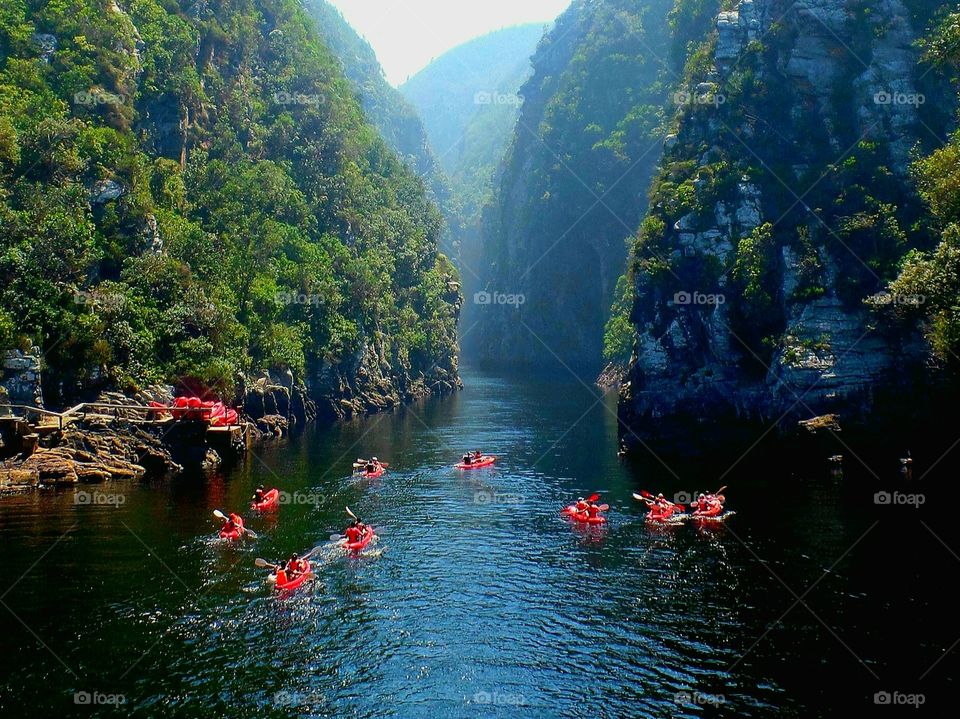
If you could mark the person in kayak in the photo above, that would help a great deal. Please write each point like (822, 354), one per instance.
(373, 466)
(354, 533)
(234, 523)
(582, 505)
(295, 566)
(593, 510)
(259, 494)
(468, 458)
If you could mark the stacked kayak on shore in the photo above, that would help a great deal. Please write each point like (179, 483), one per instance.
(197, 410)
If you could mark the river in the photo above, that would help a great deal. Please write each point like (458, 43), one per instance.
(479, 599)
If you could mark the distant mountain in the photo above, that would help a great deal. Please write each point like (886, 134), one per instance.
(385, 107)
(468, 99)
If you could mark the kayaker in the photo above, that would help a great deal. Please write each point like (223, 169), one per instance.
(468, 458)
(582, 505)
(295, 566)
(354, 533)
(258, 495)
(593, 509)
(234, 523)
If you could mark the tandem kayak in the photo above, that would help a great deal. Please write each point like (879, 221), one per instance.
(484, 461)
(378, 472)
(368, 534)
(270, 499)
(294, 583)
(582, 517)
(655, 516)
(712, 510)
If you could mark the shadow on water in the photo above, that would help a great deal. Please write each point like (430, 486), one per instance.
(479, 599)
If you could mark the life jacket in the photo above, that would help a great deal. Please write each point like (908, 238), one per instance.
(353, 534)
(236, 520)
(258, 496)
(282, 576)
(593, 510)
(582, 506)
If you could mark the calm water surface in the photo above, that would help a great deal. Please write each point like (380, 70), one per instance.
(479, 599)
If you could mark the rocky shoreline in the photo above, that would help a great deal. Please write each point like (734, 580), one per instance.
(124, 446)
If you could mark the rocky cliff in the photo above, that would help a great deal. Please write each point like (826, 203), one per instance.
(782, 208)
(573, 185)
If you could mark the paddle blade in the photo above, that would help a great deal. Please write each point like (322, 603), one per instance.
(351, 513)
(721, 489)
(218, 514)
(253, 535)
(647, 494)
(312, 552)
(336, 537)
(603, 507)
(263, 563)
(593, 497)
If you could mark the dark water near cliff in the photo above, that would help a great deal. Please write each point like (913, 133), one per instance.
(479, 599)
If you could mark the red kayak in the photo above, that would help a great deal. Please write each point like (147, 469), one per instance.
(484, 461)
(368, 535)
(294, 583)
(233, 535)
(378, 472)
(663, 515)
(582, 517)
(711, 510)
(270, 499)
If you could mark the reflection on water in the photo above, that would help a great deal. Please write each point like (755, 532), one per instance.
(478, 599)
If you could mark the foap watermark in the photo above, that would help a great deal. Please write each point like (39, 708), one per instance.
(298, 98)
(103, 300)
(685, 97)
(900, 499)
(884, 299)
(99, 499)
(93, 97)
(484, 497)
(899, 699)
(884, 97)
(699, 699)
(698, 298)
(486, 97)
(484, 298)
(98, 699)
(503, 699)
(296, 298)
(301, 498)
(298, 699)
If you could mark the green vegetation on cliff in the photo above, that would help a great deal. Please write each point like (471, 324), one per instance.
(193, 188)
(929, 282)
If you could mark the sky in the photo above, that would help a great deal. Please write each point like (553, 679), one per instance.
(408, 34)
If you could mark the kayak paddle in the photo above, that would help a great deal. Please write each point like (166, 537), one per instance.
(264, 564)
(352, 514)
(593, 497)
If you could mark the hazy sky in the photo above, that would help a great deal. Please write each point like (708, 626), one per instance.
(408, 34)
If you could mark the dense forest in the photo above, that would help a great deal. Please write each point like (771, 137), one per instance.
(386, 108)
(191, 188)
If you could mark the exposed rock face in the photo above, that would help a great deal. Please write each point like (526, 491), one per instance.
(372, 382)
(20, 378)
(87, 454)
(573, 187)
(104, 191)
(821, 64)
